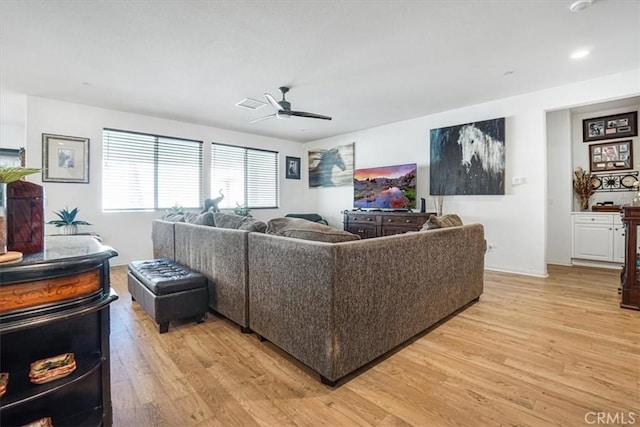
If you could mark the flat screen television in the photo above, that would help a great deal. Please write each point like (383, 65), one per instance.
(387, 187)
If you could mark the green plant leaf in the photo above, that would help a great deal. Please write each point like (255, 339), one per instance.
(13, 173)
(67, 218)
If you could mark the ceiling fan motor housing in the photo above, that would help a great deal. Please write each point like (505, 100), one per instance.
(285, 104)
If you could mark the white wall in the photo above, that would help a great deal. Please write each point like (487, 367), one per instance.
(559, 187)
(13, 119)
(129, 232)
(516, 223)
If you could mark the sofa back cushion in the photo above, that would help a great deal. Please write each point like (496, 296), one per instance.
(237, 222)
(307, 230)
(444, 221)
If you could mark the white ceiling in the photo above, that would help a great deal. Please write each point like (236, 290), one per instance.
(366, 63)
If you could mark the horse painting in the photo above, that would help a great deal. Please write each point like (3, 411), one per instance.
(468, 159)
(322, 164)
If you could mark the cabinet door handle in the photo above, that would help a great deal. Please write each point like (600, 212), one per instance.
(389, 220)
(407, 221)
(368, 219)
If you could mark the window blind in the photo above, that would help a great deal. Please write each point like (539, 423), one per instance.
(245, 176)
(145, 172)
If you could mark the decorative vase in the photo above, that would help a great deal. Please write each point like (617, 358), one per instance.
(584, 203)
(69, 229)
(3, 218)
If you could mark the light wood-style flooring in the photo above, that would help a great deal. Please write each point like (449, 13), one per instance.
(531, 352)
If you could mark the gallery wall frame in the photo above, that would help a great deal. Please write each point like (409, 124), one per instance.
(293, 167)
(610, 127)
(65, 159)
(611, 156)
(614, 181)
(10, 157)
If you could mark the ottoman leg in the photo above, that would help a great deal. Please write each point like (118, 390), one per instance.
(201, 318)
(164, 327)
(245, 330)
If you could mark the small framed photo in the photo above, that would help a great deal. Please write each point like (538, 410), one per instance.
(293, 167)
(65, 159)
(610, 127)
(10, 157)
(611, 156)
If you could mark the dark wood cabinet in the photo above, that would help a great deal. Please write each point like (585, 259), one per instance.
(25, 225)
(380, 223)
(630, 277)
(55, 302)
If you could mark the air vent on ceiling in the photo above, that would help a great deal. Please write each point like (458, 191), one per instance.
(251, 104)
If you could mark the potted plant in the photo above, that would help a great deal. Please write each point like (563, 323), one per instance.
(583, 187)
(68, 221)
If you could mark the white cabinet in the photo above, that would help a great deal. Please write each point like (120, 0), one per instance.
(598, 237)
(618, 240)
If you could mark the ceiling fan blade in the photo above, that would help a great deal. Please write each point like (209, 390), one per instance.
(270, 116)
(309, 115)
(273, 102)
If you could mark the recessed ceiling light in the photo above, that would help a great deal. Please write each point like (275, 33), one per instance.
(580, 54)
(251, 104)
(580, 5)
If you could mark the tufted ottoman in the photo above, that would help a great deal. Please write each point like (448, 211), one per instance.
(167, 291)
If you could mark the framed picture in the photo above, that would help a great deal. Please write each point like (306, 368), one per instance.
(610, 127)
(65, 159)
(10, 157)
(611, 156)
(468, 159)
(293, 167)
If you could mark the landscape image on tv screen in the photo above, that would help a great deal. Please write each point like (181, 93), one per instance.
(388, 187)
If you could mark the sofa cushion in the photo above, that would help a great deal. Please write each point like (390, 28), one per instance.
(444, 221)
(307, 230)
(173, 217)
(205, 218)
(237, 222)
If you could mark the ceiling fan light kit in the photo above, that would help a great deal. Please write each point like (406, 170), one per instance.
(580, 5)
(283, 109)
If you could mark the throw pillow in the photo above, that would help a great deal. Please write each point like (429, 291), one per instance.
(307, 230)
(190, 217)
(205, 218)
(434, 222)
(237, 222)
(173, 217)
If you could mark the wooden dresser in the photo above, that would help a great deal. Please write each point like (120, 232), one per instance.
(53, 302)
(368, 224)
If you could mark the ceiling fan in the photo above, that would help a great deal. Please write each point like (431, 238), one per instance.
(283, 109)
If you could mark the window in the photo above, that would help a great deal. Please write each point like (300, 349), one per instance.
(143, 172)
(244, 176)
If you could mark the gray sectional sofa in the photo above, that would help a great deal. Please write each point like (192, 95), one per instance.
(333, 306)
(218, 253)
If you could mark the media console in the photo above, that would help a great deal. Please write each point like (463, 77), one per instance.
(368, 224)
